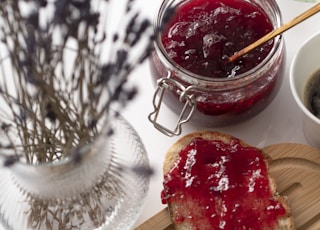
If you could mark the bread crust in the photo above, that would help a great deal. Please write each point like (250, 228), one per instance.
(172, 156)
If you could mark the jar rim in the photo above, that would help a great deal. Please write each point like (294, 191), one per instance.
(169, 62)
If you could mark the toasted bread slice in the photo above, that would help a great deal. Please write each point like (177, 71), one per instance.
(195, 205)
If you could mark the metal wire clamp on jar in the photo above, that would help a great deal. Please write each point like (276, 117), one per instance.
(209, 101)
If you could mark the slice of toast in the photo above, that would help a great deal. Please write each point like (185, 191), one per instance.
(215, 181)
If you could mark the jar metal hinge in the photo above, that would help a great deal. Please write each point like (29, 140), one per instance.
(185, 97)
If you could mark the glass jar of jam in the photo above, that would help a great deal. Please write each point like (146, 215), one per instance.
(190, 65)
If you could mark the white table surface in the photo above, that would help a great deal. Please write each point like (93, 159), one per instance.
(280, 122)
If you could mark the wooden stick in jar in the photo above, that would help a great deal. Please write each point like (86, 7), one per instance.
(313, 10)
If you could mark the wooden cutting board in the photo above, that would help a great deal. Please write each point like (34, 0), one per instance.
(295, 180)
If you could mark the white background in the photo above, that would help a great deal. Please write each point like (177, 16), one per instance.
(279, 123)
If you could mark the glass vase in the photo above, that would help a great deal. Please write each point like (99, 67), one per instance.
(101, 185)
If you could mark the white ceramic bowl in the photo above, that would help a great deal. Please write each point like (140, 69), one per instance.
(304, 64)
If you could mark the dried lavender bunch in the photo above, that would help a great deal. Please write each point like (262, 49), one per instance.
(62, 68)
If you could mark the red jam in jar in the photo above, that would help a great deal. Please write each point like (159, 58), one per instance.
(202, 34)
(192, 53)
(225, 186)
